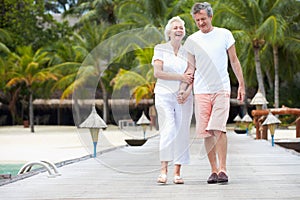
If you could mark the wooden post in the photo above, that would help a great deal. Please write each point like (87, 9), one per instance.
(257, 114)
(264, 134)
(262, 130)
(298, 127)
(257, 125)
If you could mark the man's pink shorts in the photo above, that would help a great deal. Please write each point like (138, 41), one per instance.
(211, 112)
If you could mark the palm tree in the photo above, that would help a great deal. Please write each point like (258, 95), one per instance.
(8, 95)
(78, 67)
(256, 24)
(66, 61)
(152, 15)
(89, 38)
(140, 79)
(275, 31)
(244, 19)
(28, 68)
(142, 13)
(94, 11)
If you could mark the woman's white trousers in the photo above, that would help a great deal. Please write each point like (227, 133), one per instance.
(174, 122)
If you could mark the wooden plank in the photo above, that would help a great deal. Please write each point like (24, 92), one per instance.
(256, 171)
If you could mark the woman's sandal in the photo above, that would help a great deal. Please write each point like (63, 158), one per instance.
(178, 180)
(162, 179)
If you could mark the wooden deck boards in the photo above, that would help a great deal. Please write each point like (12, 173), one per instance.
(256, 171)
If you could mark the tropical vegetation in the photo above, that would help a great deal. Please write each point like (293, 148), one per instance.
(110, 46)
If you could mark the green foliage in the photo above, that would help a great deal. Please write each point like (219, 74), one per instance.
(28, 24)
(268, 27)
(141, 88)
(287, 120)
(243, 126)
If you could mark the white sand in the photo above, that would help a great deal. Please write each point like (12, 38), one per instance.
(54, 143)
(60, 143)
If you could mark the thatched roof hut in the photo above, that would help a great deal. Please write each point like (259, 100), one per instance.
(61, 103)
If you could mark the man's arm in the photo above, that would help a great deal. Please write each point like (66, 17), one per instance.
(237, 69)
(184, 88)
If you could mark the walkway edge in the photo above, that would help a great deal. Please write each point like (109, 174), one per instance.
(58, 165)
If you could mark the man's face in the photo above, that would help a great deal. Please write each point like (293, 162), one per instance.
(203, 21)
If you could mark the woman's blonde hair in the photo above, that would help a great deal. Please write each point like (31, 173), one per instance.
(169, 26)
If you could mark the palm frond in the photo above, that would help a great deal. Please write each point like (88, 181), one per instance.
(4, 48)
(128, 78)
(273, 29)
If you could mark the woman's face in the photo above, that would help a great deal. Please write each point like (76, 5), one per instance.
(177, 31)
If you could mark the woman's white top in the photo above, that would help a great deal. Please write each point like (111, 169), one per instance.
(171, 63)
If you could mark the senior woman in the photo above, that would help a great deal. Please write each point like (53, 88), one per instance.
(174, 119)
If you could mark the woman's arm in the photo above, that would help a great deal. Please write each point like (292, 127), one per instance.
(159, 73)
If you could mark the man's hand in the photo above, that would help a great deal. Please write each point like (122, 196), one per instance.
(241, 93)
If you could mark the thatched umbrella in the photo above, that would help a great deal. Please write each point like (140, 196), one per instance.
(144, 122)
(246, 120)
(259, 100)
(271, 121)
(237, 119)
(94, 123)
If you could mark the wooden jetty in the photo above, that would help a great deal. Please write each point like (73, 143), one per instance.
(256, 171)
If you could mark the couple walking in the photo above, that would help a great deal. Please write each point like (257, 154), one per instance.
(199, 65)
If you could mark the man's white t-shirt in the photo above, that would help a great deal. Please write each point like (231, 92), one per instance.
(171, 63)
(210, 51)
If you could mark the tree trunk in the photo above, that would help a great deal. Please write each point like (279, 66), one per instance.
(259, 76)
(31, 116)
(76, 116)
(245, 107)
(105, 102)
(12, 105)
(270, 79)
(276, 79)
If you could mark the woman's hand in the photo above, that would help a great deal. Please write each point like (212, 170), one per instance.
(182, 96)
(187, 78)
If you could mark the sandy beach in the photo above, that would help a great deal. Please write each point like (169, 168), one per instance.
(60, 143)
(56, 143)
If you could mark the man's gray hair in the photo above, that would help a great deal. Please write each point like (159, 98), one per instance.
(169, 26)
(202, 6)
